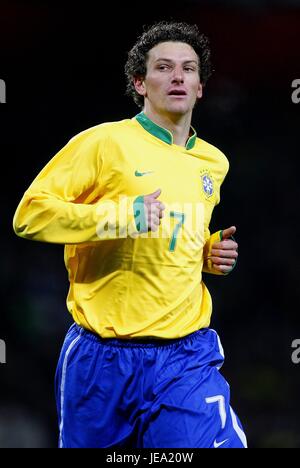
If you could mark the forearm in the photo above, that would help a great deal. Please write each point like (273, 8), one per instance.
(52, 220)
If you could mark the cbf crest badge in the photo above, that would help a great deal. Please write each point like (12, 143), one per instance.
(207, 184)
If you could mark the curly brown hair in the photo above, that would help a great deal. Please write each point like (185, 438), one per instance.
(161, 32)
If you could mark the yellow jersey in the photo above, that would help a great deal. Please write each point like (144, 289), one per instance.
(125, 281)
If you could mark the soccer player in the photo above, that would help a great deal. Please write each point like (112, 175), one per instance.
(132, 202)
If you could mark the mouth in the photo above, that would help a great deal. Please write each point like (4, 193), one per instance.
(177, 93)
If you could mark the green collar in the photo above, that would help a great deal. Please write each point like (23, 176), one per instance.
(162, 133)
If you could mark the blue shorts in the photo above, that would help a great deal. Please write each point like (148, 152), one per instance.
(144, 393)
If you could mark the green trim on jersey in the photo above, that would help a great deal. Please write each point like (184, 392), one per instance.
(162, 133)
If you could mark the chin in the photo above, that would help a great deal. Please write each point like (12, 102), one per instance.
(180, 110)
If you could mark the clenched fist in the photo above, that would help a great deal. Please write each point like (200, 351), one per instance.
(153, 210)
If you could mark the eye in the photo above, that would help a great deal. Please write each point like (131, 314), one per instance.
(189, 69)
(163, 67)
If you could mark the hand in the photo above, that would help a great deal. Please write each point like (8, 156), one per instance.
(224, 253)
(153, 210)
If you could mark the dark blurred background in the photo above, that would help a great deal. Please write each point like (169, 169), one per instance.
(63, 68)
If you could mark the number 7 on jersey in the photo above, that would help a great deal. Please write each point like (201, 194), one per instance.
(180, 217)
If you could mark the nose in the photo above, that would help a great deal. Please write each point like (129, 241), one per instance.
(178, 76)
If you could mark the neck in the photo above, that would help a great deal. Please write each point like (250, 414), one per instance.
(178, 125)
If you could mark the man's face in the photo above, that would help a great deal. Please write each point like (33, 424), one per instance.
(172, 83)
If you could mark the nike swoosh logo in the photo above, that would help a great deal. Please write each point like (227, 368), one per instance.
(218, 444)
(140, 174)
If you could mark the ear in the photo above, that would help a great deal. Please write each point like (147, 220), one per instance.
(200, 91)
(139, 85)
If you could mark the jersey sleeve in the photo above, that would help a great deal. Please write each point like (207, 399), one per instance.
(64, 203)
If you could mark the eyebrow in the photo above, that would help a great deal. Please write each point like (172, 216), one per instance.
(170, 60)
